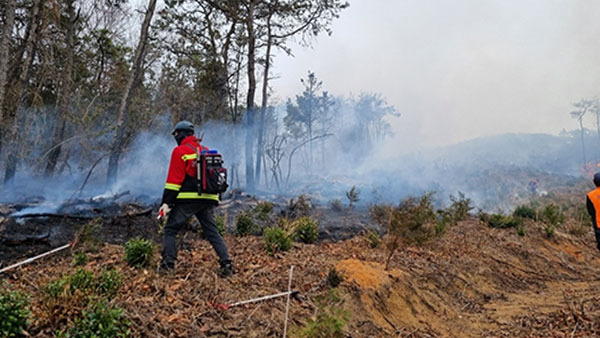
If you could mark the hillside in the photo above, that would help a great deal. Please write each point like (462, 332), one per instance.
(494, 171)
(473, 281)
(554, 154)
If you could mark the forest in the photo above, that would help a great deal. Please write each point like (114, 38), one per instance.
(80, 80)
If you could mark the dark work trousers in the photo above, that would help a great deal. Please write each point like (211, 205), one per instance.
(597, 232)
(178, 217)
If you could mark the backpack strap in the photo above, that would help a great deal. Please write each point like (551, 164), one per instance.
(199, 167)
(193, 148)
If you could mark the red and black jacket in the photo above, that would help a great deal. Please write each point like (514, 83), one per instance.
(181, 186)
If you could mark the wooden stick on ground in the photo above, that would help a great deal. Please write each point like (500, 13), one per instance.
(29, 260)
(287, 304)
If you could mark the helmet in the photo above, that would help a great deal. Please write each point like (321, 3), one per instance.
(183, 125)
(597, 179)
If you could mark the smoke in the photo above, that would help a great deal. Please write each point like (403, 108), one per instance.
(493, 171)
(143, 169)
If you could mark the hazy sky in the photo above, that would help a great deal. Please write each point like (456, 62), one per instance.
(459, 69)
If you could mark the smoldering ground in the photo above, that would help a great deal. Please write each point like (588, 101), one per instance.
(493, 171)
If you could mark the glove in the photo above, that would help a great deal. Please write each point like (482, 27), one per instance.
(163, 211)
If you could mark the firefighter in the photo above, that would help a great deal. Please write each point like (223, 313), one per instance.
(593, 207)
(181, 200)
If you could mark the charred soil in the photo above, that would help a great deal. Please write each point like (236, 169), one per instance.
(473, 281)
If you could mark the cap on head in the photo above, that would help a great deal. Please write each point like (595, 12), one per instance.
(183, 125)
(597, 179)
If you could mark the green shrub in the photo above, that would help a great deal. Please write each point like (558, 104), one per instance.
(298, 207)
(337, 205)
(380, 213)
(89, 234)
(373, 238)
(353, 196)
(262, 210)
(483, 216)
(220, 224)
(459, 208)
(306, 230)
(580, 214)
(14, 312)
(440, 227)
(56, 288)
(286, 224)
(551, 214)
(412, 222)
(502, 221)
(109, 282)
(326, 324)
(525, 211)
(81, 280)
(549, 230)
(80, 259)
(276, 240)
(99, 321)
(245, 225)
(139, 252)
(264, 207)
(444, 218)
(521, 230)
(329, 321)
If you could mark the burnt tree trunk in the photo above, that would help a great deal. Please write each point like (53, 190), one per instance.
(249, 146)
(119, 140)
(16, 93)
(59, 130)
(4, 49)
(263, 108)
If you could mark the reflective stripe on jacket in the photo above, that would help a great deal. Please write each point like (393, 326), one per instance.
(181, 185)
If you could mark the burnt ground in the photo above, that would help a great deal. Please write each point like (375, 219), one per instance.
(34, 233)
(473, 281)
(24, 237)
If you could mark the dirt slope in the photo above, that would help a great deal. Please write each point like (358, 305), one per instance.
(472, 282)
(478, 281)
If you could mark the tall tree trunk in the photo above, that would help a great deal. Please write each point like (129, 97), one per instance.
(4, 49)
(119, 140)
(310, 128)
(249, 146)
(17, 93)
(263, 108)
(235, 111)
(59, 129)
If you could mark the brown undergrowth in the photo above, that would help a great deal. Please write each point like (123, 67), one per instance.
(474, 281)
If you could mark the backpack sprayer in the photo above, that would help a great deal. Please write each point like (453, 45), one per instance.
(210, 173)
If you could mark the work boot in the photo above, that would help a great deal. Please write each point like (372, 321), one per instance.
(165, 269)
(226, 269)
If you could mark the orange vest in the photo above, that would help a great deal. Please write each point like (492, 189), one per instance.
(594, 197)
